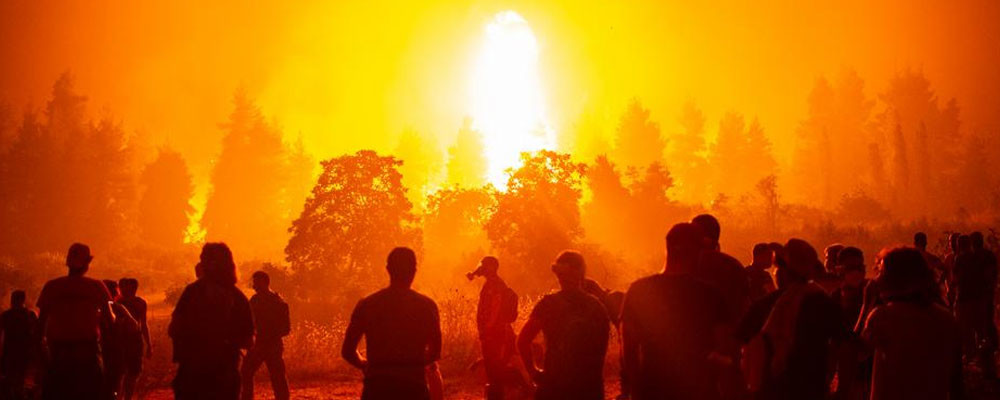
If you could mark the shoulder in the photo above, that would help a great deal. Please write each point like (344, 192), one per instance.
(424, 300)
(643, 284)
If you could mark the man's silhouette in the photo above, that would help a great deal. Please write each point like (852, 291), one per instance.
(850, 295)
(402, 335)
(72, 311)
(496, 312)
(671, 323)
(133, 348)
(211, 323)
(975, 277)
(720, 269)
(114, 341)
(18, 328)
(270, 316)
(575, 326)
(758, 275)
(916, 340)
(934, 262)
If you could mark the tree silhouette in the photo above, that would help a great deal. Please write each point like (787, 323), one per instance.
(421, 167)
(538, 215)
(686, 155)
(165, 205)
(638, 143)
(453, 235)
(466, 164)
(357, 212)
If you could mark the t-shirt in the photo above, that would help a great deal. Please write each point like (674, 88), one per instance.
(729, 278)
(210, 324)
(497, 309)
(917, 351)
(270, 315)
(575, 326)
(674, 318)
(18, 325)
(975, 275)
(72, 307)
(401, 327)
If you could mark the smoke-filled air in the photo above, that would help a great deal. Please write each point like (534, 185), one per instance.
(601, 200)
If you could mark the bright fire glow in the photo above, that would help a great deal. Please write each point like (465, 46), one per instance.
(506, 96)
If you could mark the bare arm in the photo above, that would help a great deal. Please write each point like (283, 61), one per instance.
(145, 330)
(524, 340)
(349, 350)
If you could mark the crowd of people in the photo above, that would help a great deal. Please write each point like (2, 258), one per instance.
(787, 326)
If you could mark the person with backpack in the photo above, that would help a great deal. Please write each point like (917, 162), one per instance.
(496, 312)
(271, 321)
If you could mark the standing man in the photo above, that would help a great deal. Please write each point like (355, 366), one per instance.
(136, 307)
(73, 310)
(17, 327)
(402, 334)
(576, 327)
(270, 315)
(497, 311)
(761, 283)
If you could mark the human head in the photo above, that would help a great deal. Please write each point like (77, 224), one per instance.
(763, 256)
(977, 241)
(217, 263)
(78, 258)
(710, 228)
(953, 241)
(261, 281)
(964, 243)
(17, 299)
(570, 268)
(801, 260)
(128, 286)
(402, 266)
(487, 267)
(852, 263)
(904, 273)
(684, 246)
(920, 241)
(112, 287)
(831, 254)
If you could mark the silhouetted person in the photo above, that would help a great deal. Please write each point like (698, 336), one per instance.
(831, 257)
(136, 307)
(402, 333)
(72, 311)
(760, 279)
(798, 334)
(915, 339)
(125, 329)
(949, 267)
(934, 262)
(850, 295)
(828, 275)
(210, 325)
(18, 328)
(496, 312)
(270, 316)
(576, 327)
(975, 278)
(671, 323)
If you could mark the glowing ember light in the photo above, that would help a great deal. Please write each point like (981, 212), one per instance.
(506, 96)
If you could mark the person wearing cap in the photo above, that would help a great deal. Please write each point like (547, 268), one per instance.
(73, 310)
(496, 312)
(402, 332)
(575, 326)
(672, 324)
(916, 341)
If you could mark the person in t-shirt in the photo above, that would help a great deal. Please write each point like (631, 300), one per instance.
(115, 341)
(576, 328)
(18, 326)
(402, 332)
(271, 320)
(210, 326)
(915, 339)
(757, 272)
(672, 323)
(73, 310)
(136, 307)
(722, 270)
(496, 312)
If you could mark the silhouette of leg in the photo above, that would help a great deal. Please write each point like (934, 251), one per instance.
(276, 370)
(250, 365)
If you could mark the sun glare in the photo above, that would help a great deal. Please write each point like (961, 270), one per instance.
(506, 95)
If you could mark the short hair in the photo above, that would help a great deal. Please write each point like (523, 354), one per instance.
(572, 259)
(833, 250)
(111, 285)
(977, 240)
(128, 282)
(401, 263)
(79, 251)
(920, 239)
(709, 225)
(904, 272)
(490, 261)
(17, 297)
(761, 248)
(262, 276)
(964, 242)
(802, 258)
(684, 243)
(217, 263)
(848, 253)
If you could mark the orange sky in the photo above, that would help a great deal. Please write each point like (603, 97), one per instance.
(348, 75)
